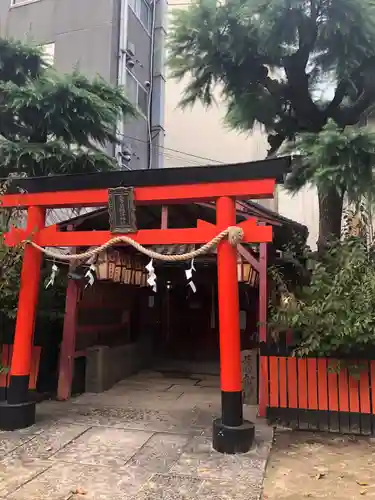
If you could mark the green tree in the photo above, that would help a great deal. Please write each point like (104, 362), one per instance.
(49, 124)
(52, 123)
(289, 65)
(338, 161)
(335, 314)
(10, 266)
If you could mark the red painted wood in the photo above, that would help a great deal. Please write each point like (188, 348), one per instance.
(333, 391)
(283, 389)
(164, 217)
(292, 383)
(34, 370)
(203, 233)
(68, 345)
(158, 195)
(322, 384)
(262, 267)
(343, 390)
(229, 321)
(364, 387)
(35, 362)
(80, 354)
(263, 386)
(274, 381)
(248, 257)
(302, 383)
(28, 298)
(263, 302)
(312, 384)
(354, 394)
(318, 387)
(372, 379)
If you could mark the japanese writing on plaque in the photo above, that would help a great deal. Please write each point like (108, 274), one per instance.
(121, 209)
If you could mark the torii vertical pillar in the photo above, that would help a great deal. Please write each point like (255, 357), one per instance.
(18, 411)
(231, 434)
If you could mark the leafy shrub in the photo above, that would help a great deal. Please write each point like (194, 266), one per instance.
(335, 314)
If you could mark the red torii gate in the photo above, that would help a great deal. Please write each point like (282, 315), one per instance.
(222, 184)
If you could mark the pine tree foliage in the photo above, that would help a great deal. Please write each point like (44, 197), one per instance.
(344, 158)
(52, 123)
(294, 67)
(273, 58)
(49, 124)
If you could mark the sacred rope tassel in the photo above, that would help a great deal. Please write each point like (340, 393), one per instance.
(235, 235)
(151, 280)
(54, 273)
(189, 277)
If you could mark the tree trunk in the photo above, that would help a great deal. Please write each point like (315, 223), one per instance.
(330, 216)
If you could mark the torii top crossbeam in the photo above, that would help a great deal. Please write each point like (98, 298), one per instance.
(274, 169)
(166, 186)
(223, 184)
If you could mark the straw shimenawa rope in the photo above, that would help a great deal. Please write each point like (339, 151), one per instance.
(234, 234)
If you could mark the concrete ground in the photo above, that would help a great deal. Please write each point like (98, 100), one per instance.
(147, 438)
(320, 466)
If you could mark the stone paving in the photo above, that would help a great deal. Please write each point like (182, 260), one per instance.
(147, 438)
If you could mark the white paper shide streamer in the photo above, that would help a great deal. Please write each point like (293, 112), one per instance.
(189, 277)
(151, 279)
(90, 276)
(54, 273)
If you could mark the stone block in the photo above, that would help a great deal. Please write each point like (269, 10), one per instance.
(97, 376)
(106, 366)
(249, 362)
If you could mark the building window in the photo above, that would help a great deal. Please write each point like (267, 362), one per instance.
(49, 53)
(142, 10)
(142, 100)
(145, 14)
(136, 93)
(132, 87)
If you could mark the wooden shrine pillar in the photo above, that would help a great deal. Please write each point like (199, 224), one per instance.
(231, 434)
(68, 343)
(18, 411)
(263, 305)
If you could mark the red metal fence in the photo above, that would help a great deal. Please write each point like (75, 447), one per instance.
(309, 393)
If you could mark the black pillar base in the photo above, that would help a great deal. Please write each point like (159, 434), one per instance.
(227, 439)
(16, 416)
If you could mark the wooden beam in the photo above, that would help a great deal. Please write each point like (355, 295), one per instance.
(164, 217)
(68, 344)
(204, 232)
(271, 168)
(156, 195)
(263, 304)
(263, 292)
(244, 252)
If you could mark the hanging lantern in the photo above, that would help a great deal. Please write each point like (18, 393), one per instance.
(246, 273)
